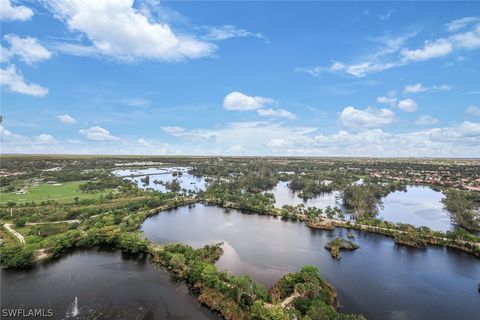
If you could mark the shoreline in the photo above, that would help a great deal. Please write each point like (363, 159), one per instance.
(330, 224)
(210, 295)
(42, 254)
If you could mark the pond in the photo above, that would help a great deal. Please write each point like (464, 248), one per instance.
(285, 196)
(381, 280)
(105, 284)
(186, 180)
(419, 206)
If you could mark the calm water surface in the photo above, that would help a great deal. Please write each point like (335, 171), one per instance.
(419, 206)
(187, 181)
(107, 286)
(285, 196)
(381, 279)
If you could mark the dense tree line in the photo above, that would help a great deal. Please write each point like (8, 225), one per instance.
(14, 255)
(363, 200)
(228, 194)
(104, 183)
(464, 208)
(309, 187)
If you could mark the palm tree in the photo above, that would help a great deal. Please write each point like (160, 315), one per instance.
(11, 204)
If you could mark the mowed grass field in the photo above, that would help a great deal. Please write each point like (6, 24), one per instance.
(64, 193)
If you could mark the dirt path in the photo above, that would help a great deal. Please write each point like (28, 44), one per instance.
(289, 299)
(8, 226)
(53, 222)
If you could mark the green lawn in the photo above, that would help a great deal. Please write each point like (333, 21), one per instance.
(66, 192)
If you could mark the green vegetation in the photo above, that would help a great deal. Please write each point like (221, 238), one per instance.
(63, 193)
(230, 195)
(363, 200)
(309, 187)
(103, 184)
(409, 240)
(464, 206)
(20, 222)
(307, 295)
(110, 221)
(338, 244)
(410, 235)
(13, 255)
(91, 207)
(173, 186)
(302, 295)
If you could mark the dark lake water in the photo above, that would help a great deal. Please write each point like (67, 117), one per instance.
(382, 280)
(107, 286)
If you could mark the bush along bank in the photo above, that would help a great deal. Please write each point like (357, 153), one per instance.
(301, 295)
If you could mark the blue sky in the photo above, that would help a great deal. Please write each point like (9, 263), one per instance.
(241, 78)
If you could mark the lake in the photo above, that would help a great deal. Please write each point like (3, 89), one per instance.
(107, 285)
(381, 280)
(419, 206)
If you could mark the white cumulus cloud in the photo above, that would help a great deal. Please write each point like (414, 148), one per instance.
(366, 118)
(97, 133)
(45, 139)
(390, 100)
(282, 113)
(237, 101)
(408, 105)
(431, 49)
(116, 29)
(28, 49)
(8, 136)
(13, 80)
(414, 88)
(241, 102)
(9, 12)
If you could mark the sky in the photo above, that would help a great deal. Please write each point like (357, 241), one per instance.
(288, 78)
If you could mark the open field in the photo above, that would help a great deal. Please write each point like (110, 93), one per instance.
(63, 193)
